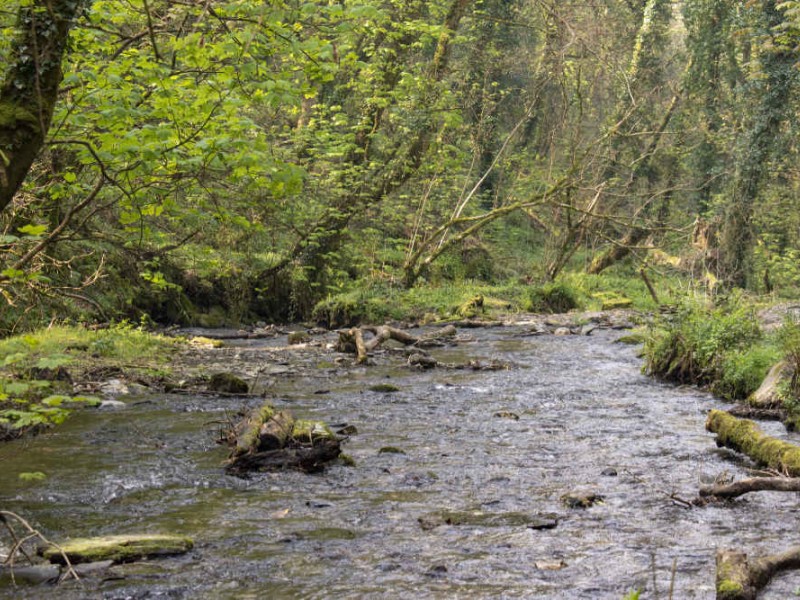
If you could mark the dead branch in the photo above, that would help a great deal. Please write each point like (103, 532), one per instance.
(755, 484)
(32, 533)
(352, 340)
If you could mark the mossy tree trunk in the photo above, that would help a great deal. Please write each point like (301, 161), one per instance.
(772, 93)
(30, 87)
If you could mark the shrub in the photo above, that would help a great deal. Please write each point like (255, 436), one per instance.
(742, 371)
(704, 344)
(556, 297)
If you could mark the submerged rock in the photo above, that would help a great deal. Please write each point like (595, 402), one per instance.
(581, 499)
(478, 518)
(117, 548)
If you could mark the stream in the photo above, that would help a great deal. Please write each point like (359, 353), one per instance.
(589, 421)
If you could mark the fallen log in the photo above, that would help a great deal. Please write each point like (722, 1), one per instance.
(755, 484)
(739, 578)
(746, 437)
(247, 432)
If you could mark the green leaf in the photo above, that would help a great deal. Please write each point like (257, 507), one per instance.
(33, 230)
(34, 476)
(53, 361)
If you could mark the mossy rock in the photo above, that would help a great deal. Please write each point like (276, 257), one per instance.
(384, 388)
(227, 383)
(298, 337)
(204, 342)
(118, 548)
(615, 303)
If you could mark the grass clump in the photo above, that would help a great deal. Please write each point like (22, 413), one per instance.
(720, 346)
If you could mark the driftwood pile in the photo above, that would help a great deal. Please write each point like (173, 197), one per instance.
(363, 341)
(270, 440)
(354, 341)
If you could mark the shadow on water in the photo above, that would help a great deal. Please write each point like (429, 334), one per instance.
(585, 412)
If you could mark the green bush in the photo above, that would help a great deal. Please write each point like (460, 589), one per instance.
(709, 345)
(556, 297)
(742, 371)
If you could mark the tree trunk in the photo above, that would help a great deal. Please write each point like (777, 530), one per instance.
(30, 89)
(737, 235)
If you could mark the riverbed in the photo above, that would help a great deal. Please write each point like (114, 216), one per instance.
(588, 421)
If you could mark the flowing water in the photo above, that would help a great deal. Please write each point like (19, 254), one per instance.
(585, 411)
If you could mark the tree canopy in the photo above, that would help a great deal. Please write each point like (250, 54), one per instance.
(169, 156)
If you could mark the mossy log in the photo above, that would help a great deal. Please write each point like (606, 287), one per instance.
(754, 484)
(311, 432)
(746, 437)
(247, 433)
(117, 548)
(275, 431)
(739, 578)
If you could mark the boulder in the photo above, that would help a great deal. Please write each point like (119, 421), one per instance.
(767, 395)
(227, 383)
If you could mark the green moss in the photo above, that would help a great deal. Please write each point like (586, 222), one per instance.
(728, 589)
(347, 460)
(119, 548)
(306, 432)
(227, 383)
(12, 114)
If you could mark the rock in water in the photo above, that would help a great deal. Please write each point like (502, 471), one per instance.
(227, 383)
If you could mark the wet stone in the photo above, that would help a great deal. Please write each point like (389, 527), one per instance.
(227, 383)
(477, 518)
(505, 414)
(581, 500)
